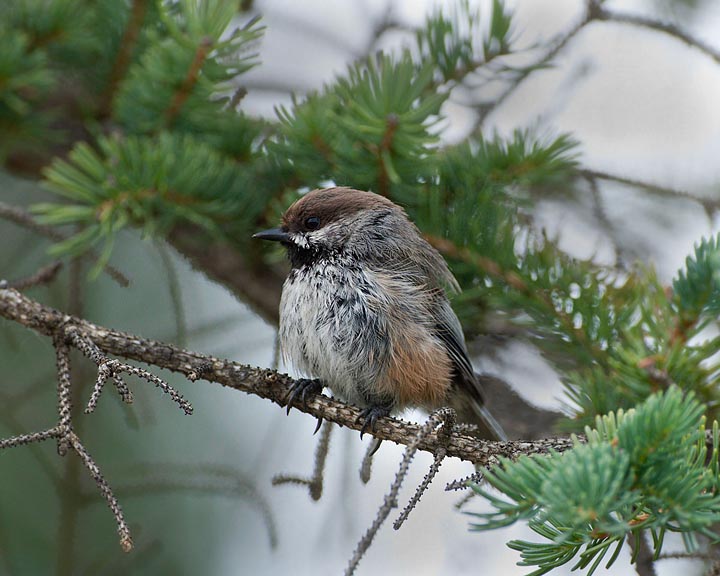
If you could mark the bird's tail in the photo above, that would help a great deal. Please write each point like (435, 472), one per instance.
(492, 425)
(470, 407)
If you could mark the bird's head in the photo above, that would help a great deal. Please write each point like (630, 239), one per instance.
(336, 220)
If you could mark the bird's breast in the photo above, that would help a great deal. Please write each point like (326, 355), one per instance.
(330, 329)
(367, 334)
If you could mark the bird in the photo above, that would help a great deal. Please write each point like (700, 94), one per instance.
(365, 312)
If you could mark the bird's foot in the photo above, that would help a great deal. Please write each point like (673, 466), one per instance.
(300, 389)
(371, 415)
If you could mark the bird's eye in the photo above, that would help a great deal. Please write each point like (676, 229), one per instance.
(312, 223)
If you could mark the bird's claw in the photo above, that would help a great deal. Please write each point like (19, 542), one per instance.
(317, 426)
(371, 415)
(375, 448)
(301, 388)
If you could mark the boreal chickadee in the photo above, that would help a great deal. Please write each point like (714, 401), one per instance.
(364, 309)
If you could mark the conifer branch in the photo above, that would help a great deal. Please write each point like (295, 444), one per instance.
(443, 418)
(44, 275)
(183, 93)
(67, 439)
(367, 461)
(512, 279)
(709, 204)
(643, 554)
(391, 125)
(315, 482)
(595, 12)
(259, 286)
(146, 478)
(555, 47)
(124, 56)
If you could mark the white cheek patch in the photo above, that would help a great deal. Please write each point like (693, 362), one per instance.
(327, 235)
(300, 240)
(316, 238)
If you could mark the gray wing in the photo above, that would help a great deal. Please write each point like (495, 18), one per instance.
(449, 331)
(467, 397)
(398, 247)
(395, 244)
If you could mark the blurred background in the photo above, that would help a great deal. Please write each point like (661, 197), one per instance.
(197, 490)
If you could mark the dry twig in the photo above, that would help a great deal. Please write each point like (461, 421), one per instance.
(366, 464)
(44, 275)
(95, 342)
(443, 417)
(63, 334)
(315, 482)
(448, 418)
(110, 369)
(263, 383)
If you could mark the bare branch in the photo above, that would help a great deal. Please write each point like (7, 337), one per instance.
(556, 46)
(175, 289)
(315, 482)
(18, 216)
(111, 369)
(44, 275)
(464, 483)
(595, 12)
(638, 20)
(23, 439)
(125, 540)
(642, 554)
(366, 464)
(64, 396)
(263, 383)
(444, 417)
(447, 417)
(67, 439)
(708, 204)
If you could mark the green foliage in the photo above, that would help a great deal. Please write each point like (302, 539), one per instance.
(641, 470)
(176, 82)
(180, 153)
(457, 44)
(657, 341)
(527, 160)
(697, 288)
(55, 29)
(153, 181)
(370, 129)
(24, 80)
(185, 153)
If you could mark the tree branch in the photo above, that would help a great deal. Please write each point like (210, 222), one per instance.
(124, 56)
(264, 383)
(257, 286)
(603, 14)
(595, 12)
(22, 218)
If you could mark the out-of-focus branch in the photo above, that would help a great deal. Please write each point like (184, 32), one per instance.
(257, 286)
(124, 55)
(26, 220)
(596, 12)
(604, 14)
